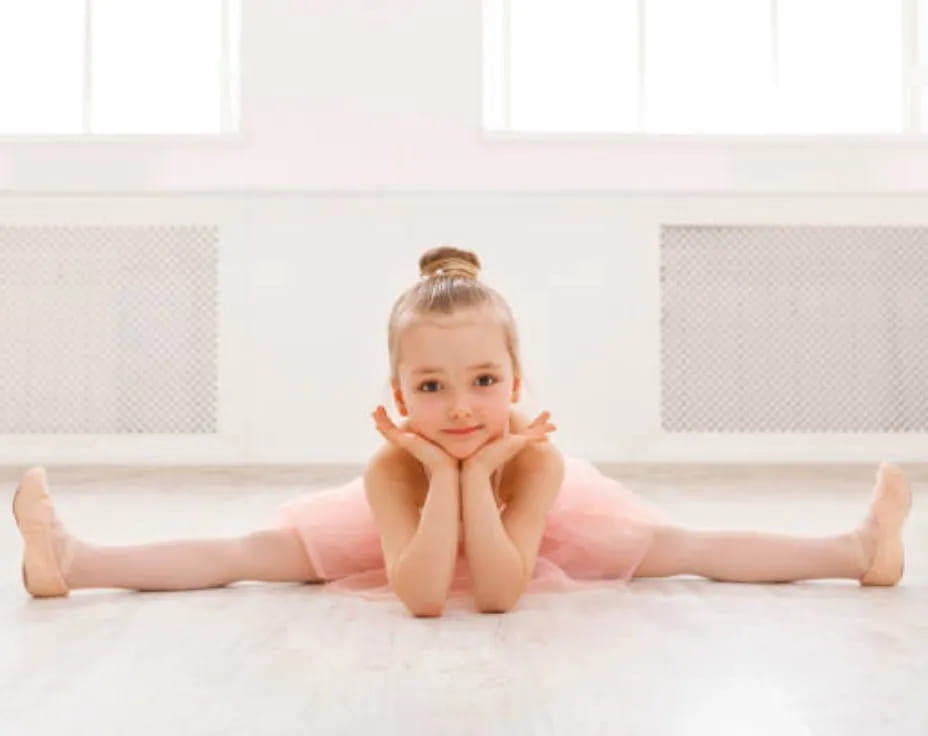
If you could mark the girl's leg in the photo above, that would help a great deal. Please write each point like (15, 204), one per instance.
(752, 557)
(871, 553)
(270, 555)
(54, 561)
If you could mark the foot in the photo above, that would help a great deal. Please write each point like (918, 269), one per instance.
(48, 548)
(880, 534)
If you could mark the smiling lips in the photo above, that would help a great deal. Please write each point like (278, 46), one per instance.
(462, 431)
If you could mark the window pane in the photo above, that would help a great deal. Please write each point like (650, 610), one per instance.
(41, 67)
(709, 66)
(156, 66)
(573, 65)
(840, 66)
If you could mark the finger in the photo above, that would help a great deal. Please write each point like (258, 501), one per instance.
(383, 425)
(543, 417)
(541, 434)
(546, 428)
(381, 417)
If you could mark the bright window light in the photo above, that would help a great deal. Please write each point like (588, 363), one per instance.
(118, 67)
(725, 67)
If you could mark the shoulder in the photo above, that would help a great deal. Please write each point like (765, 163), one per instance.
(388, 474)
(536, 452)
(541, 457)
(537, 458)
(390, 461)
(538, 471)
(393, 462)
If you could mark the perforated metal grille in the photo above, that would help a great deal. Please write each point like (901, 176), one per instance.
(108, 329)
(794, 329)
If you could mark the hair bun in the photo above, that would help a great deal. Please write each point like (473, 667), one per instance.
(446, 261)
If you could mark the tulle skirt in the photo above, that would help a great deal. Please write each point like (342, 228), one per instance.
(596, 534)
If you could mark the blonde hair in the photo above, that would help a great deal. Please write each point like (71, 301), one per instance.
(449, 281)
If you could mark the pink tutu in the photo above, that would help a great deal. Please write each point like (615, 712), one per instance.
(595, 536)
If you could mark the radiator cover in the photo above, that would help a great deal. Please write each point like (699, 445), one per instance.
(794, 328)
(108, 329)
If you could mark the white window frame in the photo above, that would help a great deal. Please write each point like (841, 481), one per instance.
(495, 95)
(230, 96)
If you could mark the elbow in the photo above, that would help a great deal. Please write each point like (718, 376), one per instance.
(419, 605)
(430, 612)
(425, 609)
(495, 607)
(502, 600)
(419, 600)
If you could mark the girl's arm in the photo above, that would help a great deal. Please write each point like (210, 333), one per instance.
(500, 559)
(424, 570)
(494, 563)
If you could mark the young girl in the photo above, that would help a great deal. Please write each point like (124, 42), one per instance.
(467, 496)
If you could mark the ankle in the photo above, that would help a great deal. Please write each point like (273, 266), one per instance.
(862, 542)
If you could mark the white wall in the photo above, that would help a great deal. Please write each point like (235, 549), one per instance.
(362, 148)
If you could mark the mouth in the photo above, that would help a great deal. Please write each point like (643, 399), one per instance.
(467, 431)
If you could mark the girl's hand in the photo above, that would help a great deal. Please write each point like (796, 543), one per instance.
(503, 447)
(432, 456)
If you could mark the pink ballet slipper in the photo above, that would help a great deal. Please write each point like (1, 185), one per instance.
(42, 574)
(892, 499)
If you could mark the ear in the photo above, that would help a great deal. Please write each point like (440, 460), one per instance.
(516, 387)
(398, 397)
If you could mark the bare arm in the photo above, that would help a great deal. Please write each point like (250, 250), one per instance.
(424, 571)
(496, 567)
(501, 549)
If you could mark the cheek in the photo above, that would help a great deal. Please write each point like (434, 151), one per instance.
(424, 419)
(501, 413)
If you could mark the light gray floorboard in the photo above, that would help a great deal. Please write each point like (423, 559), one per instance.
(678, 655)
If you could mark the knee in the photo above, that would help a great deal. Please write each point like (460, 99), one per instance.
(667, 554)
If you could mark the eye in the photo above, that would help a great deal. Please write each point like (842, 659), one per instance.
(485, 375)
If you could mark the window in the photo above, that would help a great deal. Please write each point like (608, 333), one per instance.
(119, 67)
(706, 67)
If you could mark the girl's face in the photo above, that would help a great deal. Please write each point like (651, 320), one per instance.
(455, 373)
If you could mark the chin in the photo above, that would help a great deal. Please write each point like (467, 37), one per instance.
(459, 450)
(463, 450)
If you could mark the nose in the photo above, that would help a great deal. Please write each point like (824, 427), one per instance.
(459, 410)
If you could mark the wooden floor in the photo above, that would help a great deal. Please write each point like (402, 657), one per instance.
(678, 655)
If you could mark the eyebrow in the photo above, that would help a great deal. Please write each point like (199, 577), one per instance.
(430, 369)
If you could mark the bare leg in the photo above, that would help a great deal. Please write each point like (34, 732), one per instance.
(751, 557)
(270, 555)
(872, 553)
(55, 561)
